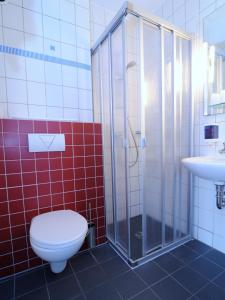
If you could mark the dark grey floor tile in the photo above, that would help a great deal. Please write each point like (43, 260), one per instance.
(103, 253)
(39, 294)
(146, 295)
(66, 288)
(198, 246)
(128, 284)
(51, 277)
(190, 279)
(185, 254)
(206, 268)
(169, 263)
(105, 291)
(217, 257)
(91, 277)
(29, 281)
(7, 289)
(211, 292)
(82, 261)
(169, 289)
(114, 267)
(79, 298)
(150, 272)
(220, 280)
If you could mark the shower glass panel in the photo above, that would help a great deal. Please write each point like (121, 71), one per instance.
(182, 115)
(152, 152)
(96, 88)
(169, 140)
(104, 57)
(119, 151)
(185, 138)
(133, 115)
(141, 72)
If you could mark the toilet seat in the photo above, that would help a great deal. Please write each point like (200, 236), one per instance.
(57, 229)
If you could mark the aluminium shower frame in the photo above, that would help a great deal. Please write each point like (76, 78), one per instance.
(127, 8)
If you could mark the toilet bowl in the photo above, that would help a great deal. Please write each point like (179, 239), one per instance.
(57, 236)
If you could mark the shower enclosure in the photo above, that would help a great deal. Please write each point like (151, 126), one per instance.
(142, 95)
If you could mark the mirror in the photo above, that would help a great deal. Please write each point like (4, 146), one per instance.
(214, 51)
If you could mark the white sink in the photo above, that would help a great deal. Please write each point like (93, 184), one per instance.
(207, 167)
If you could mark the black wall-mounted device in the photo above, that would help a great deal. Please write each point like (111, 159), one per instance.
(211, 132)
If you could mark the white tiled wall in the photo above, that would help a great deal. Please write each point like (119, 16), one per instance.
(188, 14)
(100, 17)
(208, 220)
(38, 89)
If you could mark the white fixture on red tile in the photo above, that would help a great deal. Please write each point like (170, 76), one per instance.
(43, 142)
(57, 236)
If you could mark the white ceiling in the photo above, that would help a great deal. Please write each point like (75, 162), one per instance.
(146, 5)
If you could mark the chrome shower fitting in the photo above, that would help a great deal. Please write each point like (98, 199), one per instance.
(220, 196)
(135, 144)
(131, 64)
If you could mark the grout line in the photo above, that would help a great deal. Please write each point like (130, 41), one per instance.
(35, 289)
(55, 84)
(150, 287)
(30, 291)
(46, 264)
(78, 282)
(146, 289)
(170, 275)
(8, 206)
(46, 284)
(208, 281)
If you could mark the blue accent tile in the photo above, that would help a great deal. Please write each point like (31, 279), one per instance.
(40, 56)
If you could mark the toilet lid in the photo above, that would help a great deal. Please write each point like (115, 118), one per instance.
(58, 227)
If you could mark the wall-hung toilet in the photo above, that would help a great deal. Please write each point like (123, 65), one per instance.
(57, 236)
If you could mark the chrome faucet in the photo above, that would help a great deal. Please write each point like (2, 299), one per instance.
(222, 151)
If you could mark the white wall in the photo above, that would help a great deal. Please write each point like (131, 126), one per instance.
(102, 12)
(209, 222)
(32, 87)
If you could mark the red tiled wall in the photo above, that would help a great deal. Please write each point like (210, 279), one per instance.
(34, 183)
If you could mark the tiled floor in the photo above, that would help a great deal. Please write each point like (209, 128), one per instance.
(193, 271)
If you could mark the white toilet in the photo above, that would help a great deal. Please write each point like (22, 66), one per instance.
(56, 236)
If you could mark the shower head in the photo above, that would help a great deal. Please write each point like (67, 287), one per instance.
(131, 64)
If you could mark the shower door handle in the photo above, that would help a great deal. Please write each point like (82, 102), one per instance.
(143, 142)
(125, 143)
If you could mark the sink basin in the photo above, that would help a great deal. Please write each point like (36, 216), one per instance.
(207, 167)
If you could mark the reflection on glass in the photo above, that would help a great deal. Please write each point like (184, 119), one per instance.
(214, 36)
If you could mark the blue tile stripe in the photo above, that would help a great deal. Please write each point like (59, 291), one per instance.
(43, 57)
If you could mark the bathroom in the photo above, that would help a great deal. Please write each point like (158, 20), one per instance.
(112, 147)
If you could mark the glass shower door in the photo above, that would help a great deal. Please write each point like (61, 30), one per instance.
(143, 80)
(166, 130)
(152, 131)
(183, 140)
(169, 129)
(104, 56)
(119, 137)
